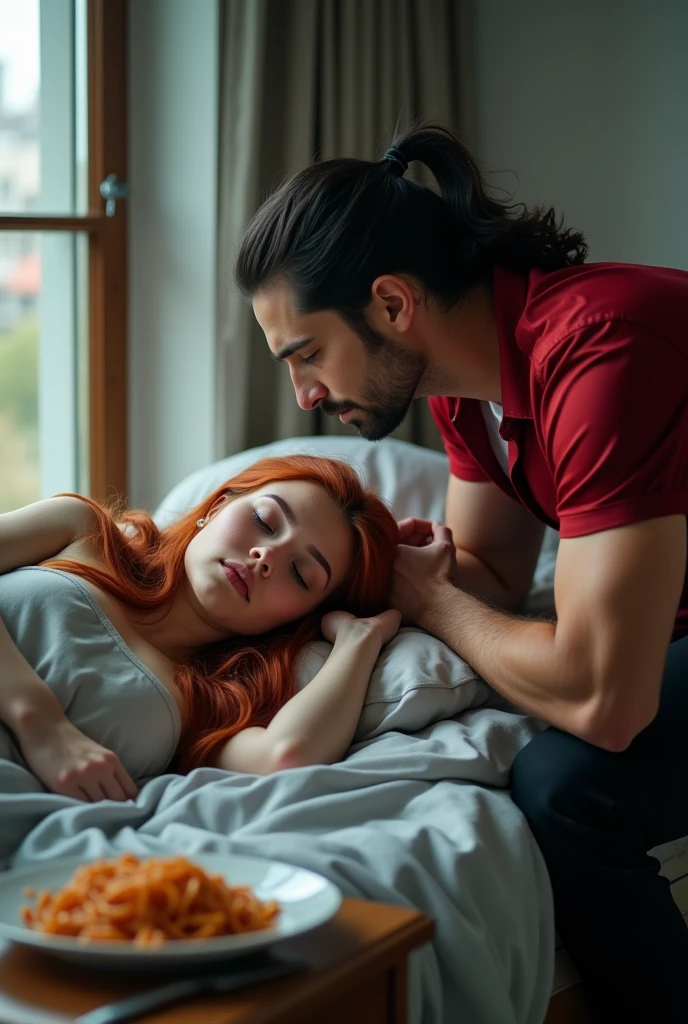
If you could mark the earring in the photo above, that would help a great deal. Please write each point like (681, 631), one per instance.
(200, 523)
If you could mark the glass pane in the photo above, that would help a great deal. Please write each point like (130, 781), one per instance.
(43, 108)
(43, 331)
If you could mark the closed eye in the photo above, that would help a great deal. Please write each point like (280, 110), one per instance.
(298, 577)
(261, 523)
(268, 529)
(307, 360)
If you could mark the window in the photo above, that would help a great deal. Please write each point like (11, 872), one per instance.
(62, 250)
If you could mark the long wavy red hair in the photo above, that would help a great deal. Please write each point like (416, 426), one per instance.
(230, 685)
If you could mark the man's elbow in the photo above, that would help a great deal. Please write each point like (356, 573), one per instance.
(614, 728)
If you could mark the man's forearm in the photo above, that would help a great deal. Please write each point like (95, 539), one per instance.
(597, 672)
(478, 578)
(520, 658)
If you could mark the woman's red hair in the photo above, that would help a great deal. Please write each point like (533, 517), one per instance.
(231, 685)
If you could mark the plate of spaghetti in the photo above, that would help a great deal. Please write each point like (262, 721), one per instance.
(129, 911)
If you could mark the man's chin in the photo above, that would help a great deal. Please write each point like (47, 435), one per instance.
(371, 434)
(377, 428)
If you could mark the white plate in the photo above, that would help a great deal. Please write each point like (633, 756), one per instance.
(306, 900)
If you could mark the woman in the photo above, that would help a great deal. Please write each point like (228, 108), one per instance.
(122, 642)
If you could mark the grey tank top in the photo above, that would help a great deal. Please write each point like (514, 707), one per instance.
(103, 688)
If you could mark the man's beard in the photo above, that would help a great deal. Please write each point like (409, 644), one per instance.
(393, 378)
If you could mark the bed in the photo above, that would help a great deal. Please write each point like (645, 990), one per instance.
(417, 814)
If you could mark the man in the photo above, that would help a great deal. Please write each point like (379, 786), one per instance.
(561, 392)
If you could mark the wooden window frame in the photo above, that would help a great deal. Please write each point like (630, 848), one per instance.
(107, 247)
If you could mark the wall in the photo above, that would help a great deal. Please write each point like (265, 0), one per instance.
(173, 117)
(587, 101)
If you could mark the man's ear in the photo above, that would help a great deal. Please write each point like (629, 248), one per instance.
(394, 301)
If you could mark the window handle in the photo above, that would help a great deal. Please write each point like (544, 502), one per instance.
(111, 190)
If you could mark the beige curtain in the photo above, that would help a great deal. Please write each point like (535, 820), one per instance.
(302, 80)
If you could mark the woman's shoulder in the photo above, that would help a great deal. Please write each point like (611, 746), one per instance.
(33, 579)
(46, 608)
(89, 549)
(42, 605)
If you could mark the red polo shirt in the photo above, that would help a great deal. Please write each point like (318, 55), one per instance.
(594, 375)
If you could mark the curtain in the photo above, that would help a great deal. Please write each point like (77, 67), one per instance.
(304, 80)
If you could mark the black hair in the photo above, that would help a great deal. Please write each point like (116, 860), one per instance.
(335, 226)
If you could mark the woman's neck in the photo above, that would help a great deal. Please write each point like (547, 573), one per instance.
(177, 630)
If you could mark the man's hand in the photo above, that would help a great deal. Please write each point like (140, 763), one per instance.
(423, 572)
(416, 533)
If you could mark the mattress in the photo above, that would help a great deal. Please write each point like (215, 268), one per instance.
(673, 858)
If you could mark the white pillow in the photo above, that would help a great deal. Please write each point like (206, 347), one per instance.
(417, 680)
(412, 480)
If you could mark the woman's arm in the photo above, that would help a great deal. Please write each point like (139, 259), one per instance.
(24, 697)
(64, 759)
(36, 532)
(60, 755)
(27, 536)
(317, 725)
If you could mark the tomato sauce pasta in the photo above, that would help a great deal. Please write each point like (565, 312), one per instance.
(147, 902)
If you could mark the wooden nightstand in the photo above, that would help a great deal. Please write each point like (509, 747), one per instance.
(357, 976)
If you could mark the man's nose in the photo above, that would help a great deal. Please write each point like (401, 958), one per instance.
(309, 396)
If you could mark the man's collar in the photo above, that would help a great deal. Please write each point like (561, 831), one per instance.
(510, 296)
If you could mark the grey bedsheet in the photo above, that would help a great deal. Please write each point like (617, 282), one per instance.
(417, 820)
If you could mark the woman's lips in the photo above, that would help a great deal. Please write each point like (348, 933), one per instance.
(235, 579)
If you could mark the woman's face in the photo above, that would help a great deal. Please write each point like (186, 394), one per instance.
(266, 558)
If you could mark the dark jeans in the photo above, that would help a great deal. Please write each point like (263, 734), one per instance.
(594, 815)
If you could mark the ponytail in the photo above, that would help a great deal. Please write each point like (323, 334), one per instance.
(334, 227)
(502, 234)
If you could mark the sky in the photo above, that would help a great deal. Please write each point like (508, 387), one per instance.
(19, 52)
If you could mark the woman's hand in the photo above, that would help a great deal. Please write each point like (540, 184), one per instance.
(69, 763)
(339, 625)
